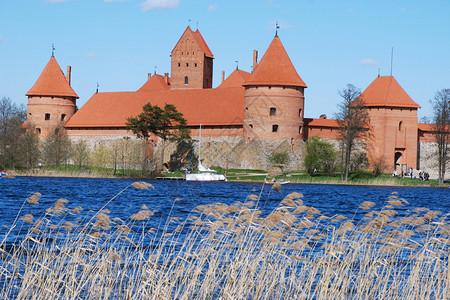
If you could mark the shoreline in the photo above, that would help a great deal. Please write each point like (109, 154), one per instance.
(374, 182)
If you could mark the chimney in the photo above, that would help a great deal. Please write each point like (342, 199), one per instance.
(69, 70)
(255, 60)
(149, 75)
(166, 78)
(223, 76)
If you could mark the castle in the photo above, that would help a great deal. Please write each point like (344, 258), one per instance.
(265, 105)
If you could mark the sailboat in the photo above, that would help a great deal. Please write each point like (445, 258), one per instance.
(203, 173)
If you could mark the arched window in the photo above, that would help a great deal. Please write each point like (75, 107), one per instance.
(400, 125)
(63, 117)
(186, 80)
(299, 112)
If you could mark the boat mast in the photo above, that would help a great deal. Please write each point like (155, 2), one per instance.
(199, 147)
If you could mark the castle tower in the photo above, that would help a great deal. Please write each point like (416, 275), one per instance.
(51, 100)
(274, 97)
(192, 62)
(394, 124)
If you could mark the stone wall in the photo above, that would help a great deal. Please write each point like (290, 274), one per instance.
(428, 160)
(237, 152)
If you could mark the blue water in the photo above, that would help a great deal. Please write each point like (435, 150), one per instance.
(93, 194)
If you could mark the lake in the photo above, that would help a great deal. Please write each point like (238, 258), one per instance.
(92, 194)
(286, 250)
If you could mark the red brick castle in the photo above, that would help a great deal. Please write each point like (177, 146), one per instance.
(267, 104)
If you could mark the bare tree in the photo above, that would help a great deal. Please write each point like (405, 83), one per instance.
(57, 147)
(353, 120)
(80, 154)
(12, 118)
(29, 147)
(441, 128)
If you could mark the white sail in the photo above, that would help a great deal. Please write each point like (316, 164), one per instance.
(204, 173)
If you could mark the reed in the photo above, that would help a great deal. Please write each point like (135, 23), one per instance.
(229, 252)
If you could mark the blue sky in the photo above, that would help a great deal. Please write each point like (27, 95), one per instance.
(331, 43)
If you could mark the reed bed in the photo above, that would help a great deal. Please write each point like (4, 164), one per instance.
(229, 252)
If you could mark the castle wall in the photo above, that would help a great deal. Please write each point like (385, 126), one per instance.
(267, 107)
(327, 133)
(428, 159)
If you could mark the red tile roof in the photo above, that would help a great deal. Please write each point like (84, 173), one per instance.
(154, 83)
(236, 79)
(199, 39)
(321, 123)
(198, 36)
(52, 82)
(275, 68)
(223, 106)
(426, 127)
(385, 91)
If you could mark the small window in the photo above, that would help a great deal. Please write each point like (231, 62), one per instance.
(195, 65)
(251, 125)
(179, 65)
(47, 117)
(299, 112)
(63, 117)
(400, 125)
(38, 130)
(274, 128)
(273, 111)
(300, 129)
(187, 65)
(186, 80)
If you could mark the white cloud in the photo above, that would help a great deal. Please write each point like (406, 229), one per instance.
(212, 7)
(369, 61)
(159, 4)
(92, 55)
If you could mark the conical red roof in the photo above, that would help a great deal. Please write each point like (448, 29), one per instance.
(385, 91)
(52, 82)
(275, 68)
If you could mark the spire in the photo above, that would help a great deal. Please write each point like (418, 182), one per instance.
(53, 50)
(276, 29)
(52, 82)
(275, 68)
(385, 91)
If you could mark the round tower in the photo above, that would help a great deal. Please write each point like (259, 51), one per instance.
(51, 100)
(274, 97)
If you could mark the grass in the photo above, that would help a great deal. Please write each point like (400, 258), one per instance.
(229, 252)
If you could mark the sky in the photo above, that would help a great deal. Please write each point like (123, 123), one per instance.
(116, 43)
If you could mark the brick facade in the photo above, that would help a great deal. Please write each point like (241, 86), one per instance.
(273, 112)
(49, 113)
(191, 67)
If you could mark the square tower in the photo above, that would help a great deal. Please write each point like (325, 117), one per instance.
(192, 62)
